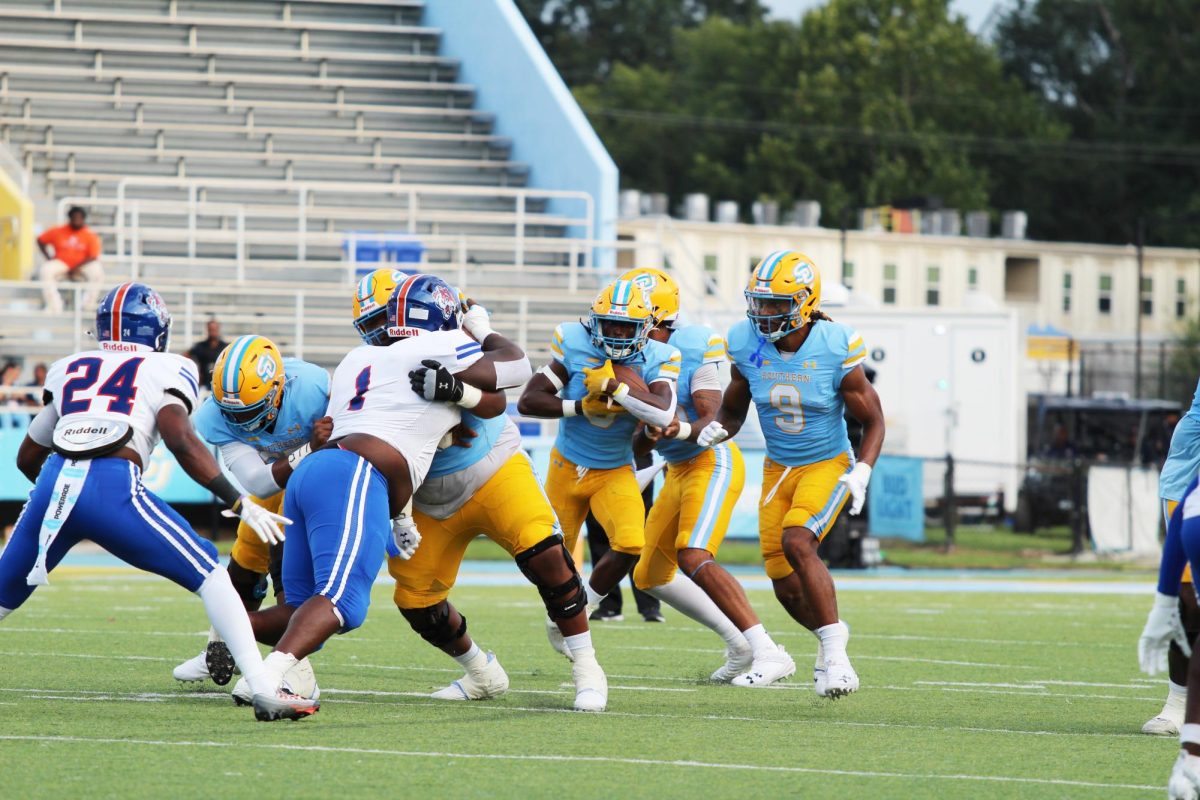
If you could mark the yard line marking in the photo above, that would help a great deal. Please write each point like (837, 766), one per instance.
(717, 653)
(651, 762)
(101, 631)
(1035, 684)
(890, 637)
(84, 655)
(1003, 691)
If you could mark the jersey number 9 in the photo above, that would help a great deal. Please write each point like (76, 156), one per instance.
(785, 398)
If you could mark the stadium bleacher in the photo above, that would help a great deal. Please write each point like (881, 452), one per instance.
(228, 151)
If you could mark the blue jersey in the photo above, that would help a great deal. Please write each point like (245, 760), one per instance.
(799, 401)
(698, 345)
(602, 442)
(305, 396)
(455, 459)
(1183, 459)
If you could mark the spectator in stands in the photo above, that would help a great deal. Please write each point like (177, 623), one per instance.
(205, 352)
(34, 398)
(75, 257)
(11, 415)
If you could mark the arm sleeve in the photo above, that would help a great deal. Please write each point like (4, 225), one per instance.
(1170, 569)
(510, 374)
(658, 417)
(41, 429)
(706, 378)
(254, 476)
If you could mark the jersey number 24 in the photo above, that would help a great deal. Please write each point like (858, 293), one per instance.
(120, 388)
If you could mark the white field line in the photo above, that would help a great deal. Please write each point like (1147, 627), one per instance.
(650, 762)
(1034, 684)
(87, 655)
(717, 654)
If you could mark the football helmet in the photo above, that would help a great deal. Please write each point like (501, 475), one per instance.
(422, 304)
(370, 303)
(247, 383)
(621, 320)
(783, 294)
(661, 290)
(132, 317)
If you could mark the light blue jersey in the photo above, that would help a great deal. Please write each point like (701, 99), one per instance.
(602, 442)
(1183, 459)
(698, 345)
(455, 459)
(799, 401)
(305, 396)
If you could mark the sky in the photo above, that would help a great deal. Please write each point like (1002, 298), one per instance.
(976, 11)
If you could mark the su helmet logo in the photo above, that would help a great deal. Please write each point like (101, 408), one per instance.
(803, 273)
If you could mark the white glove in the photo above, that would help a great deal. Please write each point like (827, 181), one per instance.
(712, 434)
(263, 522)
(406, 536)
(1163, 626)
(856, 481)
(477, 322)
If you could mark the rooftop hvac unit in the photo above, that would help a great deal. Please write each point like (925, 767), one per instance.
(948, 222)
(655, 204)
(630, 203)
(979, 224)
(727, 211)
(765, 212)
(1012, 224)
(807, 213)
(695, 207)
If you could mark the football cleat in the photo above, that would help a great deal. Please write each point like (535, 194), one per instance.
(1163, 725)
(737, 661)
(591, 684)
(193, 670)
(219, 663)
(840, 678)
(767, 669)
(606, 615)
(820, 676)
(557, 641)
(489, 682)
(300, 680)
(1185, 778)
(283, 705)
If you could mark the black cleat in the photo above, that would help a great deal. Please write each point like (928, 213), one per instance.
(283, 705)
(653, 616)
(606, 615)
(220, 663)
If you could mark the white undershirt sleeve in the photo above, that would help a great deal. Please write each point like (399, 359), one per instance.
(706, 378)
(41, 428)
(248, 467)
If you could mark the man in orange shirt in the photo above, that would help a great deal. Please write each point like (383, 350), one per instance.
(76, 257)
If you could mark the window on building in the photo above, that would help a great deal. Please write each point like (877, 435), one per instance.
(1105, 302)
(1146, 296)
(710, 270)
(1066, 295)
(933, 281)
(972, 278)
(1180, 298)
(889, 284)
(848, 274)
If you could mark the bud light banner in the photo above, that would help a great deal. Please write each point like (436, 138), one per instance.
(895, 500)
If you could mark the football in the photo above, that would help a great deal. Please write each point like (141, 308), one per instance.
(630, 377)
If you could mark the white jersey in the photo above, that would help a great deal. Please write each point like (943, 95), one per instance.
(441, 497)
(100, 391)
(371, 393)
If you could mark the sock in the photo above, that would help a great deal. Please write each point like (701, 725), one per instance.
(760, 641)
(593, 597)
(4, 612)
(1176, 700)
(228, 617)
(473, 660)
(580, 644)
(1189, 734)
(833, 639)
(213, 636)
(683, 595)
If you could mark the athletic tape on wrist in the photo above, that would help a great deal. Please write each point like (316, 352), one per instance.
(299, 454)
(471, 396)
(568, 408)
(685, 430)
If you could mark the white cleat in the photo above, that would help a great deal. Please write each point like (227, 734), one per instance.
(840, 678)
(737, 661)
(591, 685)
(767, 669)
(192, 670)
(1163, 725)
(557, 641)
(1185, 778)
(489, 682)
(820, 676)
(300, 680)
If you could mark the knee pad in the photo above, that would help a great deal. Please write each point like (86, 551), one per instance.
(433, 623)
(564, 600)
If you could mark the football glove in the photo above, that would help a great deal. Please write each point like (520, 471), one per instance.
(436, 383)
(597, 381)
(596, 405)
(266, 524)
(1163, 626)
(712, 434)
(406, 536)
(476, 321)
(856, 481)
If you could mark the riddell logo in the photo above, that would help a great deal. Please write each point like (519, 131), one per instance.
(119, 347)
(405, 332)
(84, 431)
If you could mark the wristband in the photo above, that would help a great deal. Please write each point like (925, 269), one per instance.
(685, 430)
(225, 492)
(296, 456)
(471, 396)
(569, 408)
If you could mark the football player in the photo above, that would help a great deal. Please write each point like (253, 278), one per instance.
(803, 371)
(688, 520)
(344, 497)
(1182, 464)
(1164, 630)
(591, 465)
(485, 483)
(105, 411)
(265, 414)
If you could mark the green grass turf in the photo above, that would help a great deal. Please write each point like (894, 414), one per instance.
(1033, 688)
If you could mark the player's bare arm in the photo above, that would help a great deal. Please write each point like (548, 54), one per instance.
(862, 401)
(181, 439)
(735, 403)
(30, 457)
(540, 398)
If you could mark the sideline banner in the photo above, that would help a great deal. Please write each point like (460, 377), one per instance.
(896, 501)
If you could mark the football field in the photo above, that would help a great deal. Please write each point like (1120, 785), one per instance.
(965, 694)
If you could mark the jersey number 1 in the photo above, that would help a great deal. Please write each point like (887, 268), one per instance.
(786, 400)
(120, 387)
(361, 384)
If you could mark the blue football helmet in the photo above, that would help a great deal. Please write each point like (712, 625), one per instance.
(422, 304)
(134, 314)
